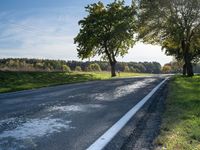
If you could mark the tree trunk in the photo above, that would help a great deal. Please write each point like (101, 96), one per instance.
(113, 73)
(190, 69)
(184, 69)
(188, 66)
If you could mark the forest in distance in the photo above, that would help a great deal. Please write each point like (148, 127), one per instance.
(46, 65)
(25, 64)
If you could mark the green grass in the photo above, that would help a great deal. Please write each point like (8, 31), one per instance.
(16, 81)
(180, 129)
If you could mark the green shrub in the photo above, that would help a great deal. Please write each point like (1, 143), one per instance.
(126, 69)
(94, 67)
(78, 69)
(66, 68)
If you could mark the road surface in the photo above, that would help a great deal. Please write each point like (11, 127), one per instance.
(67, 117)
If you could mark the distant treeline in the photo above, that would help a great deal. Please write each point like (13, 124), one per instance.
(197, 68)
(24, 64)
(177, 67)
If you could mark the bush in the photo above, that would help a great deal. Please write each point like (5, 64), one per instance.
(126, 69)
(166, 69)
(94, 67)
(78, 68)
(66, 68)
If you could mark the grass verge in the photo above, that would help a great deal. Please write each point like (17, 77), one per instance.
(180, 129)
(16, 81)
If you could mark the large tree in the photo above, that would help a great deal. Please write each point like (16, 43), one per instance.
(173, 24)
(107, 31)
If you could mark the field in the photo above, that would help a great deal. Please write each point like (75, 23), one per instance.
(16, 81)
(180, 129)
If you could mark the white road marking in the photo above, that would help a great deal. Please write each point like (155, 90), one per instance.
(102, 141)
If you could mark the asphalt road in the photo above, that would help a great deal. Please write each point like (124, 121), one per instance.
(67, 117)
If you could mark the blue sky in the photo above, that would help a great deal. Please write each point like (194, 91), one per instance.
(46, 28)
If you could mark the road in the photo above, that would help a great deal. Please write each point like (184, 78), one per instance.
(67, 117)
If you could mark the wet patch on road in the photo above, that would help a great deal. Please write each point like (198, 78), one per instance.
(24, 133)
(75, 108)
(122, 90)
(36, 128)
(30, 130)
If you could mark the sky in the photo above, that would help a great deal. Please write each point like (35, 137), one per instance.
(46, 29)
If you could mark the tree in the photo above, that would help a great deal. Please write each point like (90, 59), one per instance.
(66, 68)
(176, 66)
(107, 31)
(78, 68)
(155, 67)
(126, 69)
(166, 68)
(175, 25)
(94, 67)
(132, 69)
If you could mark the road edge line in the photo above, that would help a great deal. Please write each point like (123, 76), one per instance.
(104, 139)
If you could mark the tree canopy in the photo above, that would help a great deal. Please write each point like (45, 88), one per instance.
(107, 31)
(173, 24)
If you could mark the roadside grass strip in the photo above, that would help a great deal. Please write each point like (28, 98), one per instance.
(180, 129)
(17, 81)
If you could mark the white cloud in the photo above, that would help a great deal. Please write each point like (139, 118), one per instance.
(49, 33)
(42, 36)
(145, 52)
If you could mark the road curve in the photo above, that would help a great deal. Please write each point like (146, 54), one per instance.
(67, 117)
